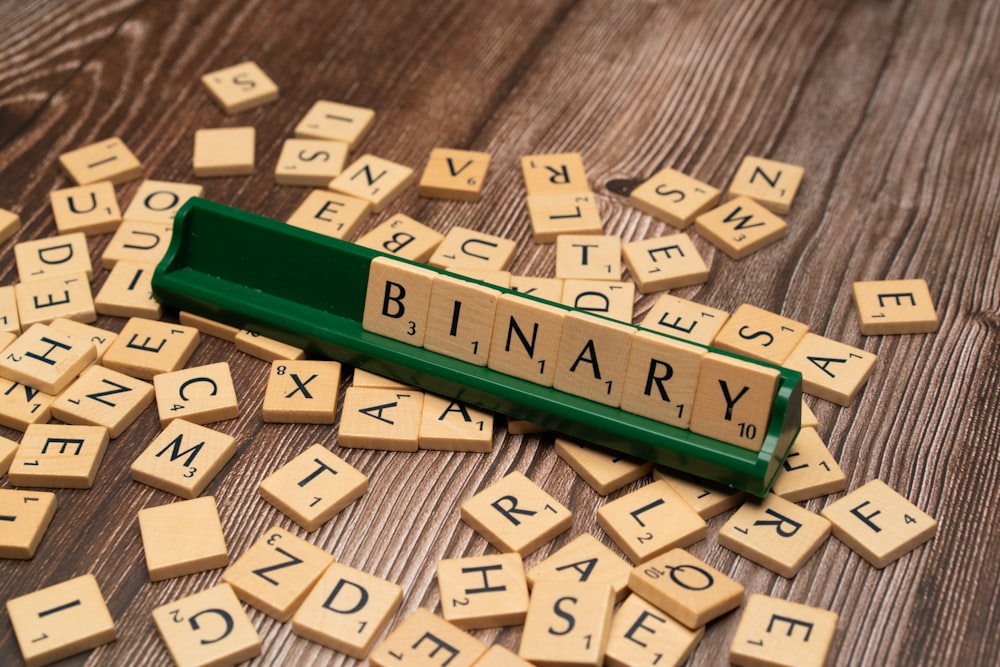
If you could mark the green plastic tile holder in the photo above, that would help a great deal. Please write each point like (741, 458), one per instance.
(308, 290)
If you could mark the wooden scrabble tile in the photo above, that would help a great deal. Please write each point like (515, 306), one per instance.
(809, 471)
(593, 357)
(9, 319)
(101, 338)
(661, 378)
(90, 209)
(878, 523)
(208, 327)
(690, 590)
(454, 174)
(159, 201)
(22, 405)
(44, 299)
(276, 573)
(53, 256)
(554, 173)
(549, 289)
(588, 257)
(347, 610)
(468, 248)
(302, 392)
(674, 197)
(641, 634)
(515, 514)
(337, 122)
(362, 378)
(207, 628)
(313, 487)
(404, 237)
(760, 334)
(10, 223)
(604, 470)
(733, 400)
(522, 427)
(772, 184)
(426, 640)
(526, 338)
(808, 416)
(58, 456)
(830, 370)
(567, 624)
(107, 160)
(61, 620)
(706, 498)
(650, 521)
(740, 227)
(488, 276)
(183, 459)
(145, 348)
(224, 151)
(397, 300)
(143, 242)
(200, 394)
(335, 215)
(663, 263)
(6, 338)
(779, 633)
(311, 162)
(585, 559)
(498, 656)
(182, 538)
(612, 298)
(451, 425)
(264, 348)
(24, 515)
(374, 179)
(387, 419)
(128, 292)
(555, 214)
(775, 533)
(47, 359)
(685, 319)
(460, 319)
(895, 307)
(483, 591)
(8, 448)
(240, 87)
(103, 397)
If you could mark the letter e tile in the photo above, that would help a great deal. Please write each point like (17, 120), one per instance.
(779, 633)
(424, 639)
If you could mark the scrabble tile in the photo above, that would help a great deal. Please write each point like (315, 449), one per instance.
(240, 87)
(47, 359)
(8, 448)
(182, 538)
(592, 359)
(374, 179)
(515, 514)
(526, 338)
(302, 392)
(614, 299)
(183, 459)
(779, 633)
(207, 628)
(460, 319)
(44, 299)
(522, 427)
(554, 173)
(588, 257)
(498, 656)
(688, 320)
(90, 209)
(878, 523)
(426, 640)
(200, 394)
(101, 338)
(277, 572)
(337, 122)
(311, 162)
(264, 348)
(10, 223)
(760, 334)
(9, 319)
(661, 377)
(895, 307)
(313, 487)
(808, 416)
(347, 610)
(362, 378)
(22, 405)
(103, 397)
(706, 498)
(387, 419)
(740, 227)
(555, 214)
(397, 300)
(451, 425)
(24, 515)
(224, 151)
(775, 533)
(145, 348)
(488, 276)
(650, 521)
(733, 400)
(483, 591)
(107, 160)
(159, 201)
(6, 338)
(809, 471)
(584, 559)
(454, 174)
(61, 620)
(549, 289)
(128, 292)
(58, 456)
(331, 214)
(604, 470)
(208, 327)
(641, 634)
(468, 248)
(567, 624)
(674, 197)
(404, 237)
(53, 256)
(663, 263)
(143, 242)
(770, 183)
(830, 370)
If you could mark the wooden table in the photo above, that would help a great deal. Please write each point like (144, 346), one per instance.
(891, 107)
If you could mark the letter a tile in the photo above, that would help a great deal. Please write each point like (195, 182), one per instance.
(427, 640)
(830, 370)
(207, 629)
(381, 419)
(585, 559)
(778, 633)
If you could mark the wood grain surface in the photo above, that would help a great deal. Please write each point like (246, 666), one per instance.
(892, 107)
